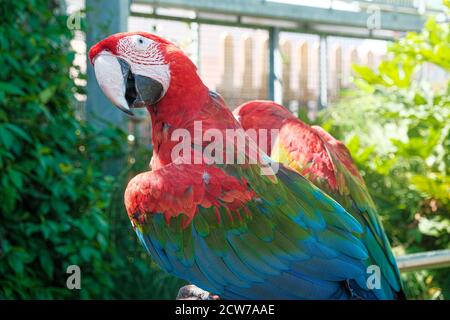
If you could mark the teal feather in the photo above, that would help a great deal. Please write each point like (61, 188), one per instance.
(284, 249)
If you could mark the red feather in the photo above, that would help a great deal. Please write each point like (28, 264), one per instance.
(175, 189)
(306, 147)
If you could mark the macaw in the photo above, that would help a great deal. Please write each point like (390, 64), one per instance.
(325, 161)
(249, 230)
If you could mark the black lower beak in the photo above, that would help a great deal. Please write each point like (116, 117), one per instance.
(149, 91)
(140, 91)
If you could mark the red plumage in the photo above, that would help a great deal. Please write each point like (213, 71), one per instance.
(307, 147)
(171, 188)
(175, 189)
(111, 42)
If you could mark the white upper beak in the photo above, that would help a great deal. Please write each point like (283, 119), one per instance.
(110, 79)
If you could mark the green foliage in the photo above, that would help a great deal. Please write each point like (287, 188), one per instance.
(397, 129)
(57, 207)
(52, 194)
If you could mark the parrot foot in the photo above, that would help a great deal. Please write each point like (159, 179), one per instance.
(191, 292)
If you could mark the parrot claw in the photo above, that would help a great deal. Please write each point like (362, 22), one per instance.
(191, 292)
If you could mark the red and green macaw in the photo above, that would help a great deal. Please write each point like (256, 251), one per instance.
(227, 228)
(325, 161)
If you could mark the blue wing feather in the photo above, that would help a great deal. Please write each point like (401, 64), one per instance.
(268, 255)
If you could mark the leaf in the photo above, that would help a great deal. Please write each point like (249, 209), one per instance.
(46, 94)
(87, 228)
(447, 3)
(100, 223)
(88, 253)
(434, 186)
(10, 88)
(6, 138)
(18, 258)
(434, 227)
(366, 73)
(46, 263)
(18, 132)
(16, 178)
(16, 263)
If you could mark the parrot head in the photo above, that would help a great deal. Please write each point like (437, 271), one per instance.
(133, 69)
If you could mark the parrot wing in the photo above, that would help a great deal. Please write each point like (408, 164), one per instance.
(326, 162)
(243, 235)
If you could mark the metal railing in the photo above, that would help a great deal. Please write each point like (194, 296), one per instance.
(296, 18)
(424, 260)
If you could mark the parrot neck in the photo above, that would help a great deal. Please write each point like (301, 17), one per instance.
(183, 101)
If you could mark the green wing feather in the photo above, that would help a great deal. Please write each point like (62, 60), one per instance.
(346, 186)
(290, 241)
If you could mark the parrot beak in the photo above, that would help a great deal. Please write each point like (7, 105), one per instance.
(110, 79)
(123, 88)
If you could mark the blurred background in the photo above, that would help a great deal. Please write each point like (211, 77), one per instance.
(372, 73)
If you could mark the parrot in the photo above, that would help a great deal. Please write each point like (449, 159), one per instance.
(326, 162)
(249, 228)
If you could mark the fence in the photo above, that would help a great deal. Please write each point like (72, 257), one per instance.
(234, 61)
(424, 260)
(300, 67)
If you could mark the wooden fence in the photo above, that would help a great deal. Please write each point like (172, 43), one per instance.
(237, 88)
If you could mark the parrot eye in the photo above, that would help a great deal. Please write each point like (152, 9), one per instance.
(140, 43)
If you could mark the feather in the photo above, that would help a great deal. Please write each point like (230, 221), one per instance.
(326, 162)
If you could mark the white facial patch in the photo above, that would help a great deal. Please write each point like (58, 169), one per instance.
(145, 59)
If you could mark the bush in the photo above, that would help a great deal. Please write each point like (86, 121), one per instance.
(56, 204)
(52, 192)
(397, 129)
